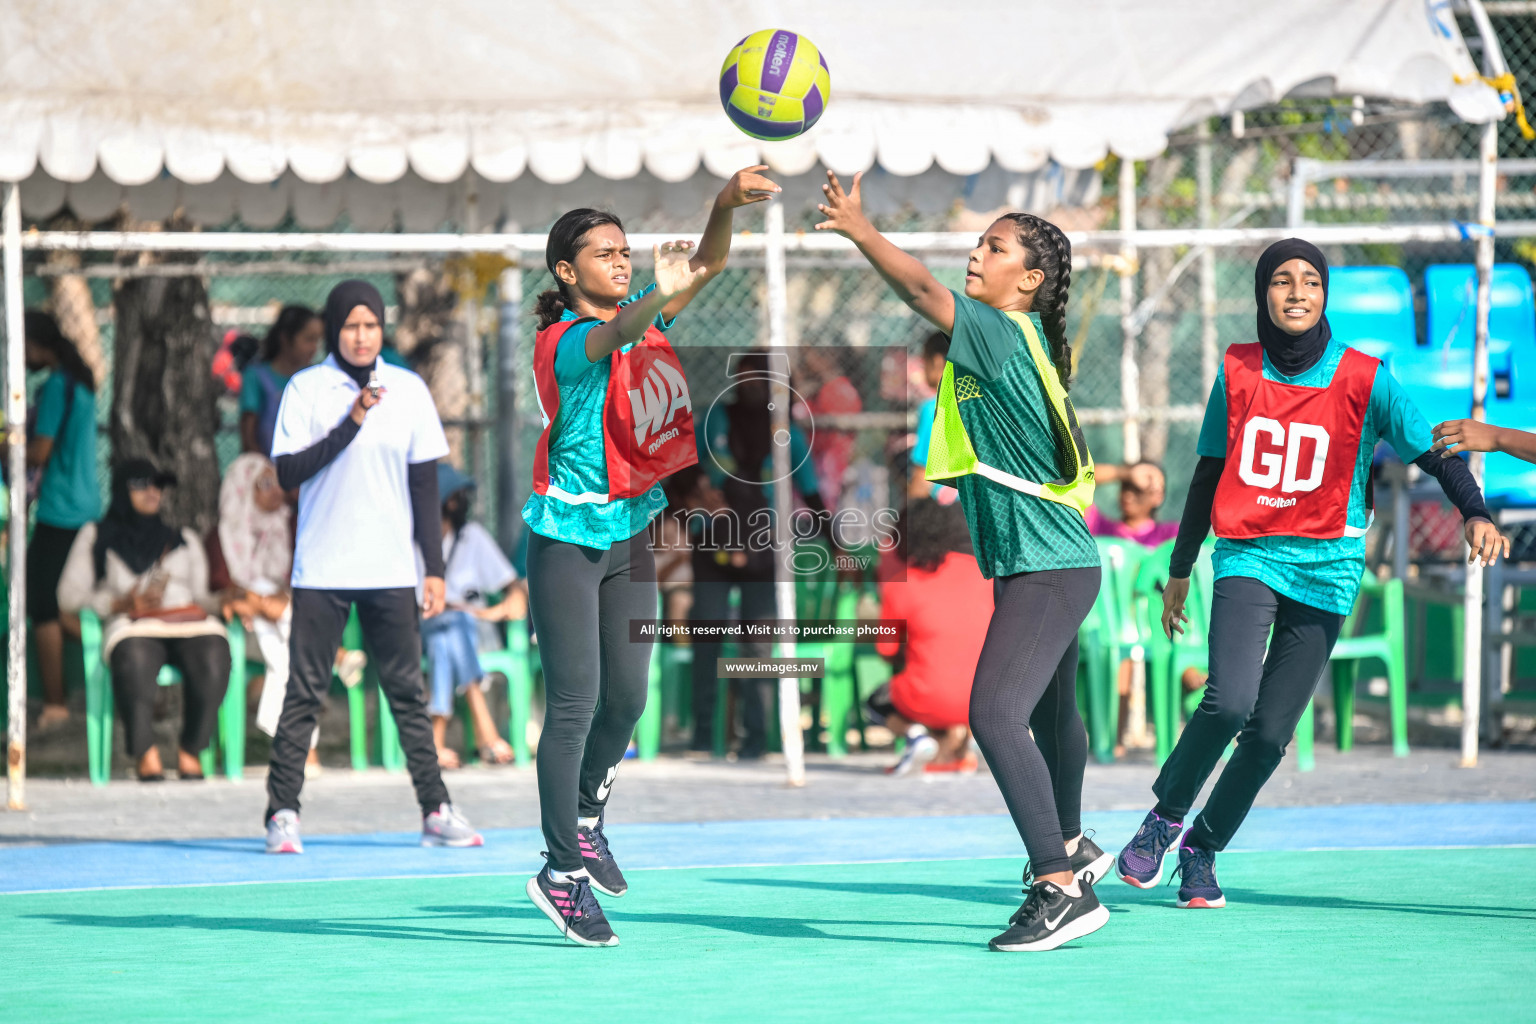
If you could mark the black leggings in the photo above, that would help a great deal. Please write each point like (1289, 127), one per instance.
(1263, 695)
(581, 600)
(1027, 680)
(136, 665)
(391, 625)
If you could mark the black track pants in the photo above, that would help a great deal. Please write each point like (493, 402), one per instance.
(392, 633)
(581, 600)
(136, 664)
(1027, 680)
(1254, 696)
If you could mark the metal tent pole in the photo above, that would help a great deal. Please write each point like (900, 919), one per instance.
(509, 521)
(1130, 375)
(784, 578)
(16, 442)
(1472, 608)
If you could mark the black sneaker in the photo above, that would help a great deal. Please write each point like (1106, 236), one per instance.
(1197, 872)
(573, 909)
(1050, 917)
(598, 860)
(1089, 863)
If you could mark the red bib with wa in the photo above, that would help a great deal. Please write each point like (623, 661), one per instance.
(1291, 450)
(647, 416)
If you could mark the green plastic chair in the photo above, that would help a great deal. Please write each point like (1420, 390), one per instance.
(230, 734)
(1388, 646)
(512, 662)
(1167, 660)
(1108, 636)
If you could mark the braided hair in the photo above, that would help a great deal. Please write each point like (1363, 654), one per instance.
(1048, 250)
(566, 239)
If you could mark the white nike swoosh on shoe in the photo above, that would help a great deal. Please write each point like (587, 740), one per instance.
(1050, 925)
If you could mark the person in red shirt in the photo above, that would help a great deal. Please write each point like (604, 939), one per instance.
(946, 605)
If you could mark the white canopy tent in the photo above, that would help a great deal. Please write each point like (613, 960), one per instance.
(289, 106)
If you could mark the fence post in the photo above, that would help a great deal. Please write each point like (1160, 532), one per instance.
(16, 453)
(1130, 374)
(509, 521)
(1208, 338)
(784, 579)
(1472, 608)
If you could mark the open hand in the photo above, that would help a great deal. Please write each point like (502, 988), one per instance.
(844, 210)
(1456, 436)
(674, 273)
(1174, 595)
(1485, 540)
(747, 186)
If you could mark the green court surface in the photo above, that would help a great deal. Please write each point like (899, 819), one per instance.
(1405, 935)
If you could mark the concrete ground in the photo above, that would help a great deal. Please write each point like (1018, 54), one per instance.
(672, 789)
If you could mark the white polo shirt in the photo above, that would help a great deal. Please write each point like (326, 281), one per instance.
(355, 519)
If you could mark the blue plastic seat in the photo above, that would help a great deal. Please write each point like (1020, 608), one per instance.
(1371, 309)
(1439, 375)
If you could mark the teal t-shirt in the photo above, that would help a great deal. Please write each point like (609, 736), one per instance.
(577, 462)
(1005, 407)
(1322, 573)
(68, 496)
(253, 392)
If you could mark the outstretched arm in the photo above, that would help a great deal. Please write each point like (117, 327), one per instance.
(747, 186)
(906, 275)
(675, 274)
(1455, 479)
(1455, 436)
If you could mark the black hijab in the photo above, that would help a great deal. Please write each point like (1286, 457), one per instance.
(344, 298)
(139, 540)
(1290, 354)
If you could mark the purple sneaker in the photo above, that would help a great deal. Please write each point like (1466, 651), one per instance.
(1197, 869)
(1141, 862)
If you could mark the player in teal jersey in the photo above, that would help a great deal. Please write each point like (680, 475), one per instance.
(1286, 557)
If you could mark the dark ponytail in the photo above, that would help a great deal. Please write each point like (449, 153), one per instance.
(1050, 252)
(566, 239)
(285, 328)
(43, 330)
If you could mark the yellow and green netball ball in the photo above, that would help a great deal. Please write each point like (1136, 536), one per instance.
(775, 84)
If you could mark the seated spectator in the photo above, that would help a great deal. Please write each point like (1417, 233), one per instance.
(946, 605)
(1142, 490)
(149, 584)
(935, 357)
(289, 347)
(61, 479)
(829, 392)
(474, 566)
(250, 562)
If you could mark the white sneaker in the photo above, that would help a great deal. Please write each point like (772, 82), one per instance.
(920, 750)
(283, 833)
(447, 827)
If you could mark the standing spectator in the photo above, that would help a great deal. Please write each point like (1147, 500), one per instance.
(829, 392)
(61, 478)
(289, 347)
(935, 358)
(946, 604)
(473, 566)
(735, 492)
(360, 439)
(1142, 490)
(149, 584)
(250, 555)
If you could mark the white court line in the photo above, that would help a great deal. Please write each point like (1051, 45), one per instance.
(713, 867)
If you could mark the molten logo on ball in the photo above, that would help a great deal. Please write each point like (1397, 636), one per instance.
(774, 84)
